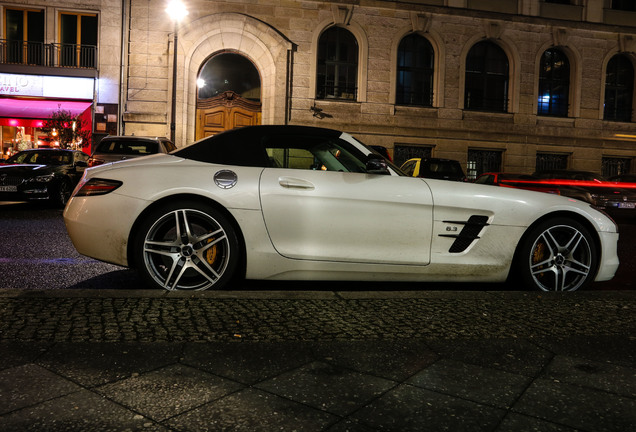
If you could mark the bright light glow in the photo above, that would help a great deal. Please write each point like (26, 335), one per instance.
(200, 83)
(177, 10)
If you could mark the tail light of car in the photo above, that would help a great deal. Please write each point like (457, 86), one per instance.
(94, 162)
(96, 186)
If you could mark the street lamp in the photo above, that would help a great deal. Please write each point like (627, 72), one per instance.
(177, 11)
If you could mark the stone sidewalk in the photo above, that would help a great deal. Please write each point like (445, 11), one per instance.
(76, 360)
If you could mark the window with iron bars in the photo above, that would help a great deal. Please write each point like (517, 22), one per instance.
(551, 161)
(481, 161)
(613, 166)
(403, 152)
(337, 74)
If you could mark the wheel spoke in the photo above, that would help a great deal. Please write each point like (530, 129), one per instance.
(576, 238)
(552, 243)
(204, 237)
(539, 266)
(202, 271)
(175, 284)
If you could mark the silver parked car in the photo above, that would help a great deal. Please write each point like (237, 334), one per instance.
(116, 148)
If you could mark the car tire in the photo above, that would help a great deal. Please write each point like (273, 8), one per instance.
(62, 193)
(559, 254)
(186, 246)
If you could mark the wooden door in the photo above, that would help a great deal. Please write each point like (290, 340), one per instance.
(224, 112)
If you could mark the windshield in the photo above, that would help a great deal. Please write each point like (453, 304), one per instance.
(41, 158)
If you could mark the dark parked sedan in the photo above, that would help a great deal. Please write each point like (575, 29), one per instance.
(41, 175)
(118, 148)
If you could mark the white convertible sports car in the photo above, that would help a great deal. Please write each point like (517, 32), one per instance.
(293, 202)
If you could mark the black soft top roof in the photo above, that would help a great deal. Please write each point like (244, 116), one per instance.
(245, 146)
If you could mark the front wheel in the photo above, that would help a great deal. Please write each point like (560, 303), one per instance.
(186, 246)
(558, 255)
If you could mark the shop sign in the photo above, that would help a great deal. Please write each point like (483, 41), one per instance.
(20, 85)
(46, 86)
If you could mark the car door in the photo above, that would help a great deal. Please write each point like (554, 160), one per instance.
(312, 214)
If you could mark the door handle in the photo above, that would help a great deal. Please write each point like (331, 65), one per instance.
(295, 183)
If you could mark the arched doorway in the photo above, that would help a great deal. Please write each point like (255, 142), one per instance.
(228, 95)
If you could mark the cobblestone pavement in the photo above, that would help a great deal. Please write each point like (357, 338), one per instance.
(150, 316)
(121, 360)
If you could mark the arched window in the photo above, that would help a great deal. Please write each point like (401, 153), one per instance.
(229, 71)
(619, 89)
(554, 84)
(414, 71)
(486, 87)
(337, 72)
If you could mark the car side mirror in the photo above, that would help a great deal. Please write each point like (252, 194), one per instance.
(376, 164)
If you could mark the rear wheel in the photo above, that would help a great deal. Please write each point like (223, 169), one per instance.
(186, 246)
(558, 255)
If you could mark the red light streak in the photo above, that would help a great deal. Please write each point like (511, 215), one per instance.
(575, 183)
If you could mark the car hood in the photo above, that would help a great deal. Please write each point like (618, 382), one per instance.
(23, 170)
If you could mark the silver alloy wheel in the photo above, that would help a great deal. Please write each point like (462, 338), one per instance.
(186, 249)
(561, 259)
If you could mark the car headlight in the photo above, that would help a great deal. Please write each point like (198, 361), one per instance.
(43, 178)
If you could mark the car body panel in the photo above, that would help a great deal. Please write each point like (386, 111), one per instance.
(293, 200)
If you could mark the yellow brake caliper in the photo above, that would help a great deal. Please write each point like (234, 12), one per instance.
(538, 253)
(210, 255)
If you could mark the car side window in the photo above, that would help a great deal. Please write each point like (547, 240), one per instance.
(311, 153)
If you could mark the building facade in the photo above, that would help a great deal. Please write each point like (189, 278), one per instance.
(500, 85)
(58, 56)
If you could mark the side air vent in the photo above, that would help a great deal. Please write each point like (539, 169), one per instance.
(470, 232)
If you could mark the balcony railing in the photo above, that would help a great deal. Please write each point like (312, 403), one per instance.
(51, 55)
